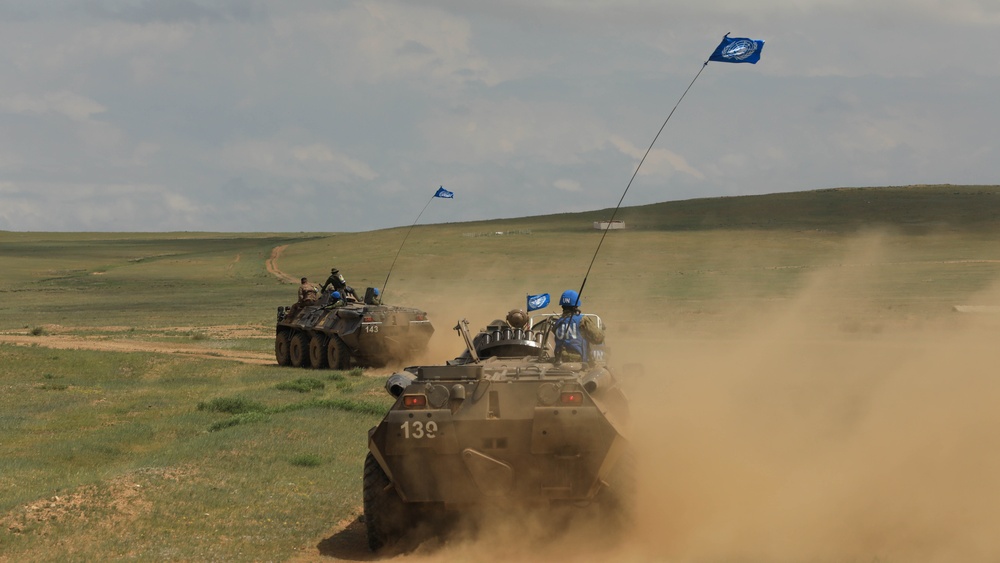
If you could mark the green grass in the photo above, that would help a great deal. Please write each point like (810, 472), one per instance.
(170, 448)
(301, 385)
(681, 253)
(115, 455)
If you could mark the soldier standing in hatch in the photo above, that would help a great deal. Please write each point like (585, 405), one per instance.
(574, 333)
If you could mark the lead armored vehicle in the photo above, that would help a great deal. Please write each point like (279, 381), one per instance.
(335, 335)
(503, 424)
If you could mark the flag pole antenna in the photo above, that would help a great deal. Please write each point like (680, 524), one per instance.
(441, 192)
(634, 174)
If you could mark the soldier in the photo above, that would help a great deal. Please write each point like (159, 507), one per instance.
(307, 296)
(336, 300)
(307, 291)
(338, 283)
(574, 333)
(372, 297)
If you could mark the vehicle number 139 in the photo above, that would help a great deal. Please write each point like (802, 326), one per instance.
(418, 429)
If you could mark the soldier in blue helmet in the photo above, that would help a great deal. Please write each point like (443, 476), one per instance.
(575, 334)
(336, 300)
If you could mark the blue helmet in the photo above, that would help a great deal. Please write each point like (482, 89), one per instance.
(335, 295)
(376, 291)
(570, 298)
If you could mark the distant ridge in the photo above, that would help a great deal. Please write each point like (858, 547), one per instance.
(919, 207)
(914, 209)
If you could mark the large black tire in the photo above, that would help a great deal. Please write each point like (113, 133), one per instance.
(317, 351)
(281, 345)
(298, 350)
(385, 512)
(338, 355)
(616, 501)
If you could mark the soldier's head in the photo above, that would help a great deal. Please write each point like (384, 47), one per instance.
(517, 318)
(334, 271)
(570, 300)
(335, 295)
(303, 280)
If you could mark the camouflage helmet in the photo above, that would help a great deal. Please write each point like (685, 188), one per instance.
(517, 318)
(334, 271)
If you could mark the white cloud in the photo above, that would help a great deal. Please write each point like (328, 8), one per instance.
(499, 131)
(567, 185)
(111, 109)
(379, 42)
(314, 161)
(659, 162)
(68, 104)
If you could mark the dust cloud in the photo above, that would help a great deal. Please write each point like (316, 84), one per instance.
(790, 438)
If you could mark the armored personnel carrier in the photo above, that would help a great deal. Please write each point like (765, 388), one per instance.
(502, 424)
(335, 335)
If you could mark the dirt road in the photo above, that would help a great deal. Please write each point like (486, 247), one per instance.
(169, 340)
(177, 340)
(272, 265)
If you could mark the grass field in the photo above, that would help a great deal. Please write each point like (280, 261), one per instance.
(190, 447)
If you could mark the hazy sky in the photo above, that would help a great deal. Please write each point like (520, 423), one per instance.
(319, 115)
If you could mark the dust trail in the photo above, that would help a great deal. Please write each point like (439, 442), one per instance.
(795, 442)
(793, 438)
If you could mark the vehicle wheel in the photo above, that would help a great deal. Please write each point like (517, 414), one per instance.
(385, 512)
(317, 351)
(338, 356)
(298, 350)
(281, 348)
(616, 501)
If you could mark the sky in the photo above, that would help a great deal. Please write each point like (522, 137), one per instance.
(332, 116)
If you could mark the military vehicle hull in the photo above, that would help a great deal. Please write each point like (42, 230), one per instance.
(497, 431)
(370, 335)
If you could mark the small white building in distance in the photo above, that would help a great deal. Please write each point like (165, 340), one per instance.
(609, 225)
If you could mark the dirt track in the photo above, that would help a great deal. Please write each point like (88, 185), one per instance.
(56, 338)
(272, 265)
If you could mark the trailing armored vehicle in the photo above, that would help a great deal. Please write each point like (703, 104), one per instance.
(336, 334)
(503, 424)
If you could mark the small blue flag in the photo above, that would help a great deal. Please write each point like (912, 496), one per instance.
(536, 302)
(738, 50)
(444, 193)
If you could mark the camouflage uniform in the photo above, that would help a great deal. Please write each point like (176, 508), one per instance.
(307, 291)
(307, 296)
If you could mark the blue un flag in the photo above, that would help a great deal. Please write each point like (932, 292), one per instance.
(738, 50)
(444, 193)
(539, 301)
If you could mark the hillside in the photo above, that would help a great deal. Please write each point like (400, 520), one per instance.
(803, 362)
(913, 208)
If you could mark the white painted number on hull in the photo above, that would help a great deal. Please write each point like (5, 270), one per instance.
(417, 429)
